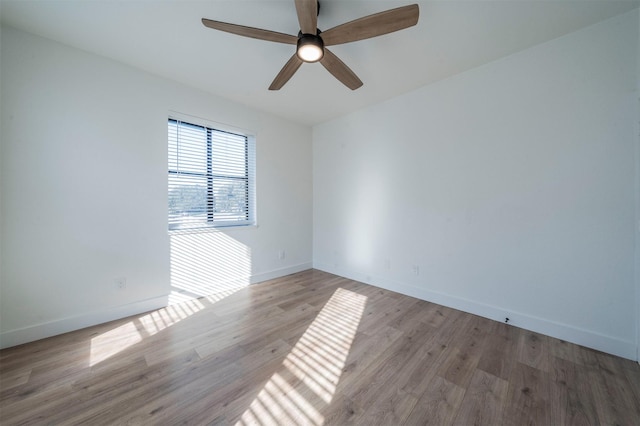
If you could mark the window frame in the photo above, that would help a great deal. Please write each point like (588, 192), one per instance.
(210, 177)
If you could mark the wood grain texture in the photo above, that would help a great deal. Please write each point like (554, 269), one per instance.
(307, 11)
(252, 32)
(313, 348)
(340, 70)
(483, 401)
(373, 25)
(287, 71)
(571, 395)
(528, 401)
(499, 351)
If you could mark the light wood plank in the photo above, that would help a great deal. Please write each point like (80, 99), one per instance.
(299, 350)
(483, 401)
(528, 397)
(438, 405)
(614, 399)
(571, 396)
(533, 350)
(500, 350)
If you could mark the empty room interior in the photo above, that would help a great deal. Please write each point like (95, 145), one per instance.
(436, 220)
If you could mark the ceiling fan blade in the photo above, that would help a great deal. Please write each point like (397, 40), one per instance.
(250, 32)
(286, 72)
(307, 15)
(335, 66)
(373, 25)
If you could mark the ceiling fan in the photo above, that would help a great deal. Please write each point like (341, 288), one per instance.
(311, 42)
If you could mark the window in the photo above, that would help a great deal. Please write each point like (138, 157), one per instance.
(211, 177)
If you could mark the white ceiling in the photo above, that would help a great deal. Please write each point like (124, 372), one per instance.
(166, 37)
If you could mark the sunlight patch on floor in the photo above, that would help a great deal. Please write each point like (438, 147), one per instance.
(120, 338)
(161, 319)
(309, 376)
(205, 267)
(113, 341)
(125, 336)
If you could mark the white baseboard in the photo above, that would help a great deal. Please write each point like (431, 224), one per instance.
(65, 325)
(277, 273)
(590, 339)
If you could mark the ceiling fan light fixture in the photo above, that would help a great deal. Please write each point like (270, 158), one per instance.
(310, 48)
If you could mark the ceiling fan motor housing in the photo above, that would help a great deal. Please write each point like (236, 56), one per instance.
(310, 47)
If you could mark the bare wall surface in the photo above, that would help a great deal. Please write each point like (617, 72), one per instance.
(84, 193)
(507, 191)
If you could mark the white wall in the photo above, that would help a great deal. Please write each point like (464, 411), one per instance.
(84, 192)
(511, 187)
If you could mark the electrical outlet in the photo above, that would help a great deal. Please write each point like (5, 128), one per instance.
(281, 254)
(121, 283)
(415, 269)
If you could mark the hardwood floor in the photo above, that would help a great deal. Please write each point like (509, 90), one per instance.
(313, 348)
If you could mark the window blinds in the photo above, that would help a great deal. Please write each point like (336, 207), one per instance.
(210, 177)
